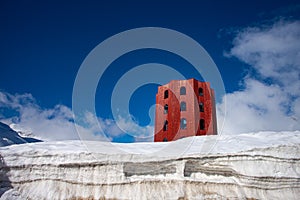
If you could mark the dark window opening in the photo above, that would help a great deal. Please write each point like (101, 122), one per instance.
(200, 91)
(182, 91)
(166, 109)
(165, 126)
(182, 106)
(202, 124)
(183, 123)
(166, 94)
(165, 140)
(201, 107)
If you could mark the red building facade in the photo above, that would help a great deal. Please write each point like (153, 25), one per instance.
(184, 108)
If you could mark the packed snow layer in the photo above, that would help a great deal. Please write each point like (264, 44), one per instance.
(262, 165)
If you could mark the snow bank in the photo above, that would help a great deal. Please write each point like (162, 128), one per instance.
(263, 165)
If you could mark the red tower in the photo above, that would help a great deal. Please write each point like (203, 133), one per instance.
(184, 108)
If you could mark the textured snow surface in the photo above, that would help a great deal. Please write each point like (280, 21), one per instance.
(263, 165)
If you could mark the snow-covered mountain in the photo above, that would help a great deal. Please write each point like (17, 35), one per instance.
(262, 165)
(8, 136)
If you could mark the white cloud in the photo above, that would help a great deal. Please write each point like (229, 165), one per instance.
(47, 124)
(271, 99)
(118, 127)
(58, 123)
(141, 133)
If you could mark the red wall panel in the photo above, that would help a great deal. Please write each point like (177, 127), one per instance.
(192, 114)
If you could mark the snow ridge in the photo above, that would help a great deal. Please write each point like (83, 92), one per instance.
(69, 170)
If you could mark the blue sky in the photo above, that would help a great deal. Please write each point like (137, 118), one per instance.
(43, 44)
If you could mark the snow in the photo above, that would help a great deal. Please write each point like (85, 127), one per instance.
(215, 144)
(9, 136)
(263, 165)
(23, 131)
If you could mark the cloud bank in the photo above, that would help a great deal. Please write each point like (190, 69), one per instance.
(57, 123)
(46, 124)
(270, 98)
